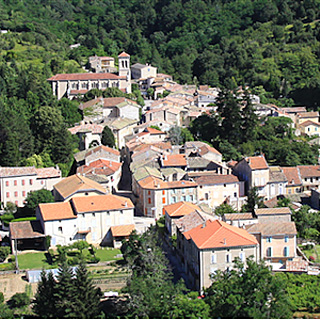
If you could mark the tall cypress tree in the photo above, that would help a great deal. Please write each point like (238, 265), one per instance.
(87, 296)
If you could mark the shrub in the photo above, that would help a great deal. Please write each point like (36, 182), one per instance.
(19, 300)
(4, 252)
(1, 297)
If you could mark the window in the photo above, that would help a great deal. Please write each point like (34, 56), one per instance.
(22, 182)
(163, 192)
(30, 182)
(286, 251)
(149, 192)
(93, 214)
(86, 193)
(269, 239)
(163, 200)
(7, 183)
(42, 182)
(206, 195)
(191, 198)
(256, 181)
(60, 229)
(213, 258)
(235, 194)
(23, 193)
(84, 85)
(16, 193)
(121, 211)
(149, 200)
(74, 86)
(83, 215)
(242, 256)
(183, 198)
(228, 258)
(15, 182)
(104, 84)
(286, 239)
(16, 202)
(8, 194)
(224, 185)
(269, 252)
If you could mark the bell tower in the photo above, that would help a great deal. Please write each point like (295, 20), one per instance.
(124, 65)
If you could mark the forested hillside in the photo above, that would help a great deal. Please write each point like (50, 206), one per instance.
(271, 45)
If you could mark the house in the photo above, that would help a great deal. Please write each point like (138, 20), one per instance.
(175, 211)
(116, 107)
(102, 64)
(293, 177)
(72, 84)
(143, 71)
(213, 246)
(76, 186)
(105, 172)
(239, 219)
(120, 233)
(202, 149)
(17, 182)
(85, 218)
(174, 161)
(310, 128)
(310, 176)
(85, 157)
(153, 194)
(307, 116)
(255, 172)
(276, 234)
(89, 135)
(277, 182)
(215, 189)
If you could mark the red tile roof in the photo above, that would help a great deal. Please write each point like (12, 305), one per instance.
(17, 171)
(257, 163)
(158, 184)
(91, 127)
(84, 76)
(272, 211)
(293, 176)
(180, 209)
(56, 211)
(122, 231)
(101, 203)
(272, 229)
(175, 160)
(105, 148)
(100, 167)
(218, 234)
(309, 123)
(124, 54)
(26, 230)
(48, 172)
(311, 114)
(309, 171)
(216, 179)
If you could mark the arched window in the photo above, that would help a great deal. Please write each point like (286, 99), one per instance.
(269, 252)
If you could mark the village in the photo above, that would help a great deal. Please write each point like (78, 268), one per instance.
(151, 175)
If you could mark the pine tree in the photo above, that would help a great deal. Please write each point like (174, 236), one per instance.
(107, 137)
(87, 296)
(44, 303)
(65, 293)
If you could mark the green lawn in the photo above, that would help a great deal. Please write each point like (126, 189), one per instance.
(38, 260)
(315, 252)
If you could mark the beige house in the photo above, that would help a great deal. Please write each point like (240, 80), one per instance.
(217, 189)
(277, 182)
(85, 218)
(102, 64)
(310, 176)
(307, 116)
(239, 219)
(276, 234)
(294, 184)
(255, 172)
(143, 71)
(76, 186)
(213, 246)
(73, 84)
(17, 182)
(310, 128)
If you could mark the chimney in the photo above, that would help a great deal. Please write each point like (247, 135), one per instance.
(126, 204)
(225, 241)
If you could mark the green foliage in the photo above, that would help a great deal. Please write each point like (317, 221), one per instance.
(34, 198)
(6, 218)
(107, 138)
(19, 300)
(155, 127)
(254, 201)
(25, 219)
(1, 297)
(70, 296)
(283, 202)
(251, 292)
(224, 208)
(4, 252)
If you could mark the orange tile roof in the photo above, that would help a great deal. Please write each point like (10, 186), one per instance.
(270, 211)
(158, 184)
(105, 148)
(175, 160)
(122, 231)
(272, 229)
(216, 179)
(180, 209)
(124, 54)
(309, 123)
(257, 163)
(311, 114)
(56, 211)
(48, 172)
(153, 131)
(293, 176)
(101, 203)
(218, 234)
(100, 167)
(77, 183)
(309, 171)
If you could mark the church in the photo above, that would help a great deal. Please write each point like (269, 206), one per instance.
(70, 85)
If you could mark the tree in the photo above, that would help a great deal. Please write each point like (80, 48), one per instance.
(4, 252)
(107, 138)
(224, 208)
(87, 296)
(254, 201)
(34, 198)
(19, 300)
(246, 292)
